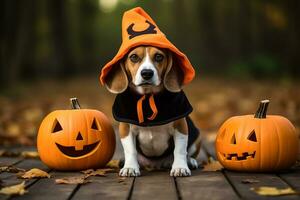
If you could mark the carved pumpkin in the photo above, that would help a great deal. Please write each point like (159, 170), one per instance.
(76, 139)
(257, 143)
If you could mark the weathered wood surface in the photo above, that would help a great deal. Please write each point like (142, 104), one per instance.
(154, 185)
(270, 180)
(151, 185)
(205, 185)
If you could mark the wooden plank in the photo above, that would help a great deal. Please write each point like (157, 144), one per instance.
(270, 180)
(47, 189)
(292, 178)
(8, 161)
(108, 187)
(205, 185)
(11, 178)
(24, 164)
(17, 150)
(154, 185)
(32, 163)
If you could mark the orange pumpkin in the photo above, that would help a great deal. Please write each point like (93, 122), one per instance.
(76, 139)
(257, 143)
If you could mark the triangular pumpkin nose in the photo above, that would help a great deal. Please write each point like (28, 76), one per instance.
(79, 136)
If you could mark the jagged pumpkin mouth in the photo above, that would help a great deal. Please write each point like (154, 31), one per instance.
(236, 157)
(72, 152)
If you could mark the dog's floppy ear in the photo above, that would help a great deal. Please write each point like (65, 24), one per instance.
(116, 80)
(173, 77)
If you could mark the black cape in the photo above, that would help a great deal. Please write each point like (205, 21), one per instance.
(171, 106)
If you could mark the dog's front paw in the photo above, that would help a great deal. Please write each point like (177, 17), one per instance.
(129, 171)
(180, 171)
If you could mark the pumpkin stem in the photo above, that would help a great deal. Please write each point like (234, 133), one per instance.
(74, 103)
(261, 112)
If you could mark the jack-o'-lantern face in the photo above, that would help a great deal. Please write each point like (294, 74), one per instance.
(76, 139)
(257, 143)
(80, 146)
(235, 150)
(238, 146)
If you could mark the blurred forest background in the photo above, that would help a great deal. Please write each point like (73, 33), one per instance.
(243, 51)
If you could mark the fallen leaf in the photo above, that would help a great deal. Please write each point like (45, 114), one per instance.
(273, 191)
(30, 154)
(113, 164)
(2, 152)
(122, 180)
(212, 166)
(35, 173)
(97, 172)
(72, 180)
(88, 171)
(249, 181)
(149, 169)
(18, 189)
(11, 169)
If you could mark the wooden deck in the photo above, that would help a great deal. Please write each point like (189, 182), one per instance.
(151, 185)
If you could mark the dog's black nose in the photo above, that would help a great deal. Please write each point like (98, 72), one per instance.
(147, 73)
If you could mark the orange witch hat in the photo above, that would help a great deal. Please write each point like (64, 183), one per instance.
(138, 28)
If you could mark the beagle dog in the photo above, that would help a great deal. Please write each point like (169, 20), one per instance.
(148, 71)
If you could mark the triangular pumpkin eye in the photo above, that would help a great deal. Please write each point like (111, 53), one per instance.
(233, 139)
(57, 127)
(252, 136)
(95, 125)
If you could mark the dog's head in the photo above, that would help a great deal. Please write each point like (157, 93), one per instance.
(146, 69)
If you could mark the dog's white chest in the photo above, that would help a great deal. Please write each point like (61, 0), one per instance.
(153, 141)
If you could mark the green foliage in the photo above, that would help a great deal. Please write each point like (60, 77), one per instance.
(63, 38)
(259, 66)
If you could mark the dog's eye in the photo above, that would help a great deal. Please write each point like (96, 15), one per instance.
(134, 58)
(158, 57)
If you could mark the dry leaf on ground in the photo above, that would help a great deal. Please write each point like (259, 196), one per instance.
(18, 189)
(249, 181)
(35, 173)
(212, 166)
(122, 180)
(273, 191)
(2, 152)
(97, 172)
(88, 171)
(30, 154)
(149, 169)
(113, 164)
(11, 169)
(72, 180)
